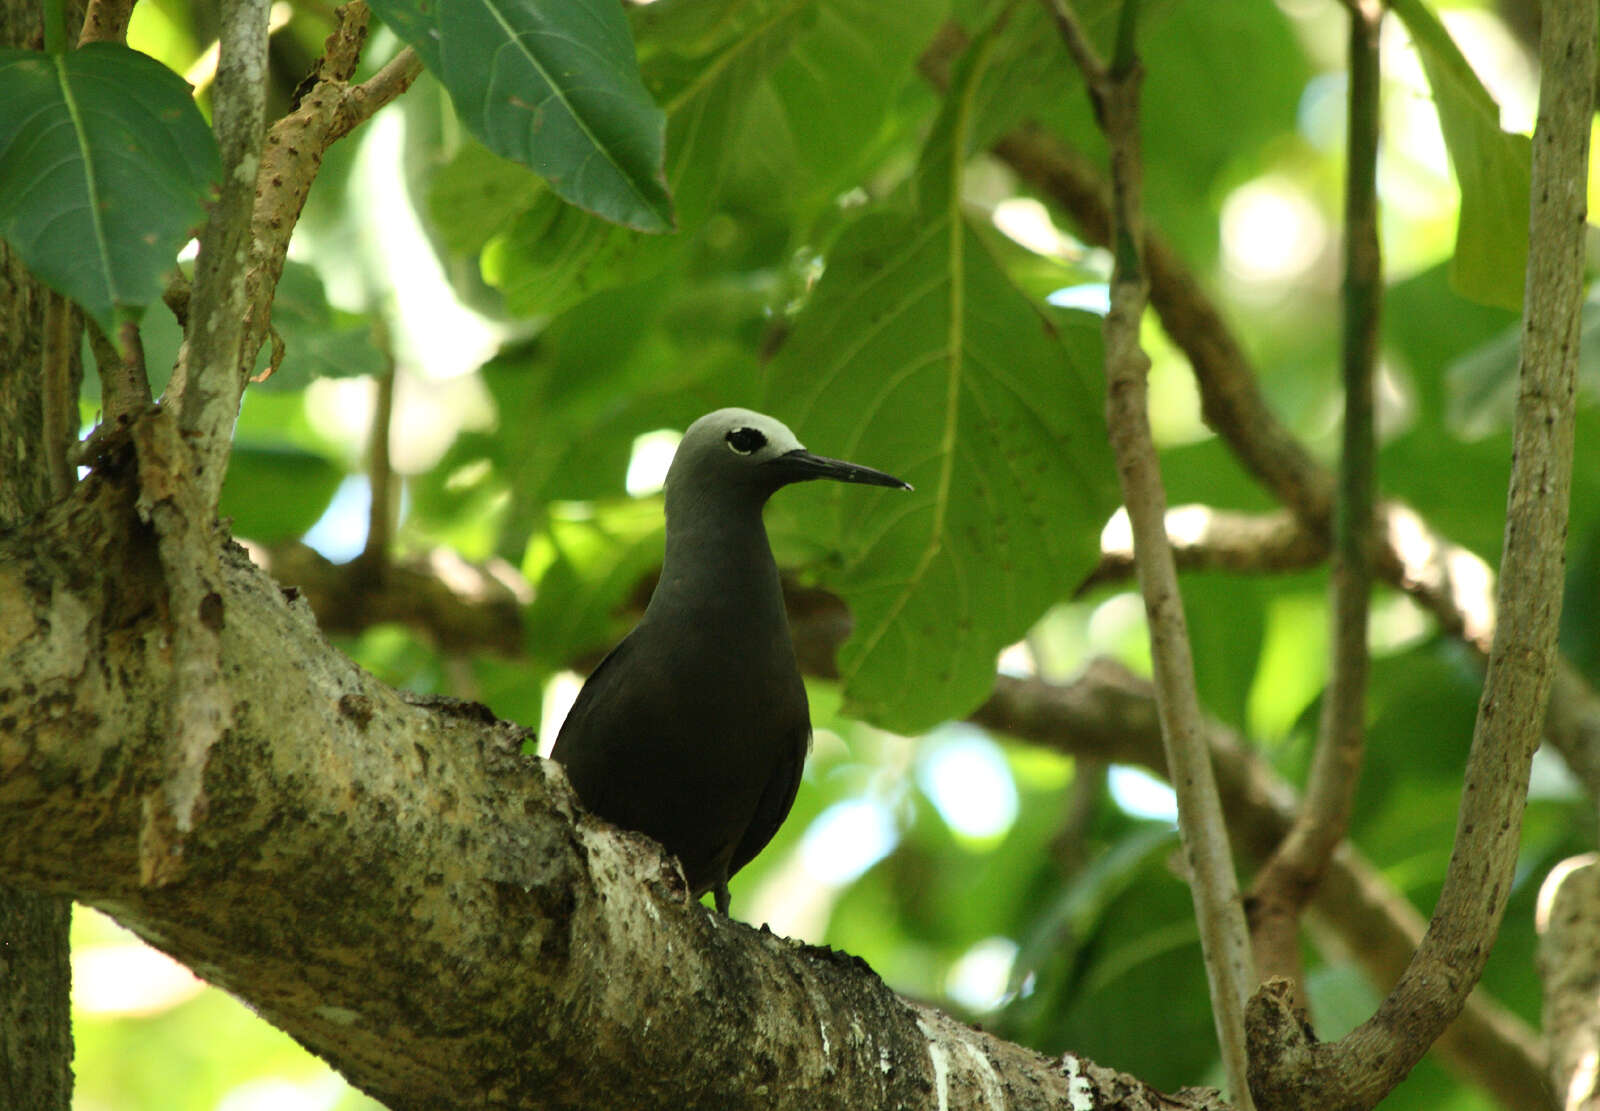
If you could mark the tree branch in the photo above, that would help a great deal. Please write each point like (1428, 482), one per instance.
(358, 104)
(59, 392)
(1284, 885)
(390, 880)
(1361, 1068)
(106, 21)
(124, 384)
(1203, 538)
(212, 366)
(380, 469)
(1224, 941)
(1569, 964)
(1104, 714)
(1107, 713)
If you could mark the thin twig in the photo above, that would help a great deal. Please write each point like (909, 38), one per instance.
(124, 385)
(59, 397)
(106, 21)
(1284, 886)
(380, 470)
(361, 101)
(211, 370)
(1360, 1069)
(1214, 886)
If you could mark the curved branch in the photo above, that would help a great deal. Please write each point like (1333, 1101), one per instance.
(1359, 1069)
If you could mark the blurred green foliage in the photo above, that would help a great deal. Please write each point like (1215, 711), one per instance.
(848, 255)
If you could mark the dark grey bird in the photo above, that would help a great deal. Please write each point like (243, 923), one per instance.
(695, 728)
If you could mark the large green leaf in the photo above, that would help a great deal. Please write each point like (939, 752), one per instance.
(104, 166)
(1492, 167)
(554, 85)
(749, 91)
(917, 355)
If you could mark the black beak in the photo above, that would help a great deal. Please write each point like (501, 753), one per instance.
(800, 465)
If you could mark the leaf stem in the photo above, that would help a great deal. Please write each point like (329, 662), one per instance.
(1286, 883)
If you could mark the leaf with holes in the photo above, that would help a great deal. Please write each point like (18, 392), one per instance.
(104, 166)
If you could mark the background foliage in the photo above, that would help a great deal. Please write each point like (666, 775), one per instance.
(847, 255)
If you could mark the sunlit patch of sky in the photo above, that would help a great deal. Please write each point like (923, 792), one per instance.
(341, 532)
(1092, 297)
(1141, 794)
(129, 978)
(560, 692)
(652, 455)
(279, 1093)
(848, 838)
(1272, 231)
(965, 775)
(979, 977)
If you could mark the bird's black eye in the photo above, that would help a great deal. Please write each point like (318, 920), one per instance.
(746, 440)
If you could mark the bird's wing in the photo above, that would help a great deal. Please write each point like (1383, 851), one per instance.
(569, 751)
(776, 800)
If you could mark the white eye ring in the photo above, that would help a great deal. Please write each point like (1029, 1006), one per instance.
(745, 441)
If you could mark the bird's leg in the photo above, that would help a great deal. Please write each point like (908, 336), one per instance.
(719, 895)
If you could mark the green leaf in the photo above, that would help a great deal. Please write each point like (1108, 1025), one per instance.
(915, 355)
(815, 140)
(740, 91)
(276, 493)
(477, 195)
(584, 566)
(555, 86)
(104, 166)
(1482, 384)
(918, 356)
(319, 341)
(417, 22)
(1492, 167)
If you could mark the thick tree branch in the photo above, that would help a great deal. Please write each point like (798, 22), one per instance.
(1104, 714)
(1224, 941)
(1286, 882)
(1357, 1071)
(393, 882)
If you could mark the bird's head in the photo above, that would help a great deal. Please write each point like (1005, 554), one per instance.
(738, 455)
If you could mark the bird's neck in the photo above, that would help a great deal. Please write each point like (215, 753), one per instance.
(716, 563)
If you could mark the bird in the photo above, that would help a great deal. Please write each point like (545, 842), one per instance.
(695, 727)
